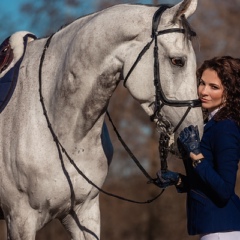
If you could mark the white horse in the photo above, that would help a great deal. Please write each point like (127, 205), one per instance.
(77, 72)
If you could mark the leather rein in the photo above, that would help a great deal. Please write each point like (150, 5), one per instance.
(159, 98)
(62, 151)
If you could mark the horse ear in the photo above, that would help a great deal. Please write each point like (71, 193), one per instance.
(186, 7)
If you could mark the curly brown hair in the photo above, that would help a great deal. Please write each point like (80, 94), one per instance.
(228, 70)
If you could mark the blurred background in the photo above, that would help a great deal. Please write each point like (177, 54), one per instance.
(217, 25)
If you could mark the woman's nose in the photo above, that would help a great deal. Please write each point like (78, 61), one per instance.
(203, 90)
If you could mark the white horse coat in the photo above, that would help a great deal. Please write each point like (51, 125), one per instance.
(82, 67)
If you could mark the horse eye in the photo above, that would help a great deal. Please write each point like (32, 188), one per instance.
(177, 61)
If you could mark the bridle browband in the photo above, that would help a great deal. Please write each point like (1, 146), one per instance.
(160, 98)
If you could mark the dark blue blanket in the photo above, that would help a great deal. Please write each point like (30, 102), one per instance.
(16, 43)
(7, 85)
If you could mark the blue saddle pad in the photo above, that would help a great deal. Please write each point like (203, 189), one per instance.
(7, 86)
(18, 41)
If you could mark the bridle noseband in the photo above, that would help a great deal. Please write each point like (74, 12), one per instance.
(160, 98)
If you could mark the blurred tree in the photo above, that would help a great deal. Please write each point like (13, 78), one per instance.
(43, 17)
(7, 27)
(216, 23)
(106, 3)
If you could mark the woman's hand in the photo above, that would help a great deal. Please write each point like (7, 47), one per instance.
(196, 157)
(189, 141)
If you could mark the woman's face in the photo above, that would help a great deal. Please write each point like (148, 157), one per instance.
(210, 90)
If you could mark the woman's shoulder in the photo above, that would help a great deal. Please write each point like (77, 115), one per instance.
(225, 135)
(227, 122)
(227, 125)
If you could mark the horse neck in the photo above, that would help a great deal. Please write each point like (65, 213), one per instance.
(90, 71)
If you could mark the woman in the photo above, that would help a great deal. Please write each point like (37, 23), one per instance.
(213, 208)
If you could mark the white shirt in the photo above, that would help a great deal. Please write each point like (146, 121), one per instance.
(211, 114)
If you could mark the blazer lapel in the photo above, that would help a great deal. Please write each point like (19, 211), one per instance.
(208, 125)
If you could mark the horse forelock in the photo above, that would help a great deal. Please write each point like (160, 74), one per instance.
(189, 31)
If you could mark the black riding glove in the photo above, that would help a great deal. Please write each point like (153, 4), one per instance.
(189, 141)
(166, 178)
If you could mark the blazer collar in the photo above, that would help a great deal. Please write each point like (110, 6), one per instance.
(209, 124)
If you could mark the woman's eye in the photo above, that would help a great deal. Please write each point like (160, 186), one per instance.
(201, 82)
(177, 61)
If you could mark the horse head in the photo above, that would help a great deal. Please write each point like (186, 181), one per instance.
(167, 87)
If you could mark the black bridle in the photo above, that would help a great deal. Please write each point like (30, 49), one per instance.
(62, 151)
(160, 98)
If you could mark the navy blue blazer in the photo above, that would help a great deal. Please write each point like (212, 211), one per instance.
(212, 205)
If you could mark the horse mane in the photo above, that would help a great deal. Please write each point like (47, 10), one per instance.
(68, 23)
(189, 31)
(87, 15)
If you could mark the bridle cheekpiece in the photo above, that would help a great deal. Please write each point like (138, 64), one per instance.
(160, 99)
